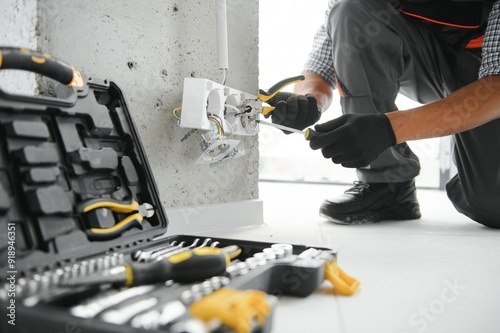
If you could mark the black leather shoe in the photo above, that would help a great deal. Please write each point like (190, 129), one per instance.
(373, 202)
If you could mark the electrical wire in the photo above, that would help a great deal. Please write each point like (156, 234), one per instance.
(218, 123)
(174, 112)
(229, 126)
(224, 76)
(233, 108)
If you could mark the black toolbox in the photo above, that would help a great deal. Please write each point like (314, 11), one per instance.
(59, 156)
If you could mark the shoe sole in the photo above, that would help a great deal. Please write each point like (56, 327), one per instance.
(407, 212)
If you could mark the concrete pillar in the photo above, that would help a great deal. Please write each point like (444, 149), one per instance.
(18, 21)
(147, 48)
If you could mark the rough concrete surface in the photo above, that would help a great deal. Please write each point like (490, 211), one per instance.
(18, 29)
(147, 48)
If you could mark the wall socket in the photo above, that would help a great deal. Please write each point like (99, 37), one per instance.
(202, 97)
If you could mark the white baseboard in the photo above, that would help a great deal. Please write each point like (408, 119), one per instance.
(225, 217)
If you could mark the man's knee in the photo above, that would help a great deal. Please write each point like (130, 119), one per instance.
(379, 11)
(486, 206)
(481, 204)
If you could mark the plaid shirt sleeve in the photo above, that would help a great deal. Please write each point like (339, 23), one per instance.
(320, 59)
(490, 64)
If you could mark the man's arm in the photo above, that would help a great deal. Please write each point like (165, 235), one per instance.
(465, 109)
(355, 140)
(316, 86)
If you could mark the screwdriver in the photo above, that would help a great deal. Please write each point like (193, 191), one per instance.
(183, 267)
(308, 134)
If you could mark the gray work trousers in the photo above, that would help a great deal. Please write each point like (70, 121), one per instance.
(377, 53)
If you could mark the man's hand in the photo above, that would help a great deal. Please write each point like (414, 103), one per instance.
(293, 110)
(354, 140)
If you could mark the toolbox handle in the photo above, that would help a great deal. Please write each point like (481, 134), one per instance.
(41, 63)
(44, 64)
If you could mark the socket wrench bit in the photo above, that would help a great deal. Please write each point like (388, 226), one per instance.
(242, 268)
(99, 265)
(92, 266)
(224, 280)
(171, 312)
(147, 321)
(45, 282)
(279, 253)
(157, 318)
(33, 285)
(84, 268)
(189, 326)
(123, 314)
(232, 271)
(21, 287)
(106, 262)
(112, 275)
(121, 259)
(216, 282)
(288, 248)
(251, 263)
(187, 297)
(309, 253)
(95, 305)
(206, 288)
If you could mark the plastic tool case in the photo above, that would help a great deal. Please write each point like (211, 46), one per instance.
(60, 154)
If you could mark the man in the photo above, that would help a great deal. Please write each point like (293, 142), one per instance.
(431, 51)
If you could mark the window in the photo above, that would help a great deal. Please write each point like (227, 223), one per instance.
(286, 33)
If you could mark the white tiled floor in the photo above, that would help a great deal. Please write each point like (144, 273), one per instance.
(438, 274)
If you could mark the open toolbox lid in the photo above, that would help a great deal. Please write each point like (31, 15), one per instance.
(58, 155)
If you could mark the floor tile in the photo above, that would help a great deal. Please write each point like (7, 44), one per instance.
(437, 274)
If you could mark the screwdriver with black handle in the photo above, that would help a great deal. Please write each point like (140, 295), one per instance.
(183, 267)
(308, 134)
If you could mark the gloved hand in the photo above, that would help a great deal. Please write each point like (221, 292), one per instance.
(293, 110)
(354, 140)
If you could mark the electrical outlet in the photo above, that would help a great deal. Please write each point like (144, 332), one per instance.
(221, 112)
(202, 97)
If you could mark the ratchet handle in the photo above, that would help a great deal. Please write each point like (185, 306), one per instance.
(40, 63)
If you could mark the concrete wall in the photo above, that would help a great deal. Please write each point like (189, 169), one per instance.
(148, 48)
(18, 21)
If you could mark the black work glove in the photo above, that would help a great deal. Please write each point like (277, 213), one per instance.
(293, 110)
(354, 140)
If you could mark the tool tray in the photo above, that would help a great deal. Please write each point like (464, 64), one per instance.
(58, 152)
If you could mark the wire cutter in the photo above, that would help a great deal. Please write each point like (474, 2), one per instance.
(137, 214)
(255, 106)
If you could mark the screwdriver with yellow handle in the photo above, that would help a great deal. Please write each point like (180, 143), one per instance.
(183, 267)
(308, 134)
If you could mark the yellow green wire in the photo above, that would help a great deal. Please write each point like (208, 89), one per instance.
(217, 123)
(174, 112)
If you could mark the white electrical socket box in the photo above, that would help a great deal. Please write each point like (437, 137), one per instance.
(202, 97)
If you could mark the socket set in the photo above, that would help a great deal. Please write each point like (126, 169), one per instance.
(270, 270)
(82, 243)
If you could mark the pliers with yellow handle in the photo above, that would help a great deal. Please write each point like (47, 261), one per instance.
(137, 214)
(255, 106)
